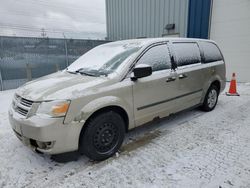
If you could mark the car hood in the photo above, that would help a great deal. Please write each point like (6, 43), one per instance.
(61, 85)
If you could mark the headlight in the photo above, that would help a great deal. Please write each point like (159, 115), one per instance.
(53, 108)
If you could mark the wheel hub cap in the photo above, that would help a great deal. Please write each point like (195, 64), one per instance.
(212, 98)
(105, 137)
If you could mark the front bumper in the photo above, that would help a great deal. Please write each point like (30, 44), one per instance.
(59, 137)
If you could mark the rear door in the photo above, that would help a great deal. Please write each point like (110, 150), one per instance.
(212, 58)
(192, 76)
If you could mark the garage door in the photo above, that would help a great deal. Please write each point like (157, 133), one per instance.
(230, 28)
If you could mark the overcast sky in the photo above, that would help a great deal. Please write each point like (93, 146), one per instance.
(74, 18)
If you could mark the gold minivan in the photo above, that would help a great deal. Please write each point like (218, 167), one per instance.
(115, 87)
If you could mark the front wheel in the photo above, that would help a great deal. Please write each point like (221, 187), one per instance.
(102, 136)
(211, 99)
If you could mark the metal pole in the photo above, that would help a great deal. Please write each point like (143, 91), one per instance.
(28, 72)
(1, 78)
(66, 50)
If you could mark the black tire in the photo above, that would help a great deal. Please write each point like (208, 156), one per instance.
(102, 136)
(207, 105)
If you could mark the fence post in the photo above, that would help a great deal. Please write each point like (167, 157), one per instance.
(1, 80)
(28, 71)
(57, 67)
(66, 50)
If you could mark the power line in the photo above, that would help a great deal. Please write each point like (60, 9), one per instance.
(25, 14)
(69, 29)
(35, 29)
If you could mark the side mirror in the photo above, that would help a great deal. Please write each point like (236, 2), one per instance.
(141, 71)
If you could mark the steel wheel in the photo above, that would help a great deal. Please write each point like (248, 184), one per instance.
(102, 136)
(106, 137)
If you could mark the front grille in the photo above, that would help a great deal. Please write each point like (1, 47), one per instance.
(26, 102)
(21, 105)
(22, 111)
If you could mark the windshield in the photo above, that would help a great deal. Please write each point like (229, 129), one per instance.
(104, 59)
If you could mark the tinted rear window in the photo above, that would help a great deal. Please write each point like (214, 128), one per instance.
(186, 53)
(211, 52)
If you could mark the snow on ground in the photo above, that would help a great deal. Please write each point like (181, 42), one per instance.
(190, 149)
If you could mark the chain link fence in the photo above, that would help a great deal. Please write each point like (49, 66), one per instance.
(23, 59)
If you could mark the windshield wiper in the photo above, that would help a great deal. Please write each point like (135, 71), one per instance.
(81, 71)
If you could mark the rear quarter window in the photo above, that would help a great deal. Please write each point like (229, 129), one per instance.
(211, 52)
(186, 53)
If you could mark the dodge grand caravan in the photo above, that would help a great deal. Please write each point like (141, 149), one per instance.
(115, 87)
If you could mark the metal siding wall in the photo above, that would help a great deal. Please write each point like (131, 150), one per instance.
(167, 12)
(107, 10)
(117, 18)
(198, 19)
(158, 14)
(185, 8)
(177, 14)
(161, 15)
(128, 19)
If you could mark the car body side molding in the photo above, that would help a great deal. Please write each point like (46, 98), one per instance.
(167, 100)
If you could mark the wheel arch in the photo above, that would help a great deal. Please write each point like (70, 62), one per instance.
(118, 109)
(215, 81)
(217, 84)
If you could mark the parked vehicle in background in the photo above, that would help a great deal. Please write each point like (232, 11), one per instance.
(113, 88)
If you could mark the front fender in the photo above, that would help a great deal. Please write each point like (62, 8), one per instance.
(100, 103)
(103, 102)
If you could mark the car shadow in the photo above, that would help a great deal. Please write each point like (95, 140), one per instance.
(135, 138)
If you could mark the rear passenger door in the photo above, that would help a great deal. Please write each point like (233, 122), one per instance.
(192, 76)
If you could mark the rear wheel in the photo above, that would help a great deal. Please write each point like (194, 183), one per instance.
(102, 136)
(211, 99)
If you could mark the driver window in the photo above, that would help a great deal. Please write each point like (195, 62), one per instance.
(157, 57)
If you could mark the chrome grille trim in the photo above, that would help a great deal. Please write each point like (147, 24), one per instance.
(26, 102)
(21, 105)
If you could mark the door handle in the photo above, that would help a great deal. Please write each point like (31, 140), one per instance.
(182, 76)
(171, 79)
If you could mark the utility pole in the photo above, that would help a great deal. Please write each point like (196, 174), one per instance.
(66, 50)
(43, 33)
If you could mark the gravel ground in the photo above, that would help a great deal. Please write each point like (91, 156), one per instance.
(189, 149)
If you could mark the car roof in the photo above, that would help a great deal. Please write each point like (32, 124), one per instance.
(148, 41)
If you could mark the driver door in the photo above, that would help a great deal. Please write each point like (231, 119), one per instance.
(154, 96)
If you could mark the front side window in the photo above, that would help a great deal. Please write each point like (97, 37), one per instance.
(157, 57)
(186, 53)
